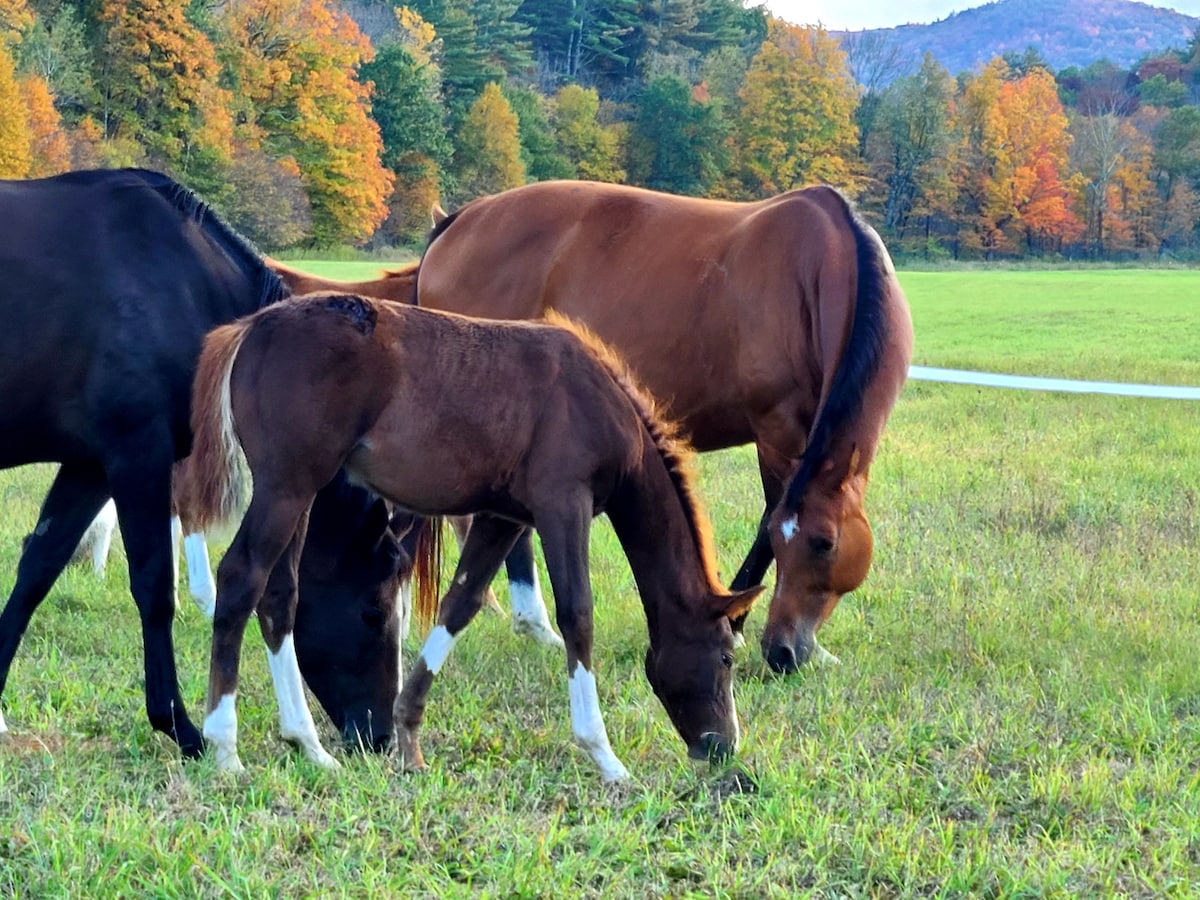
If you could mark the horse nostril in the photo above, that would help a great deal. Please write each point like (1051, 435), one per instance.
(716, 748)
(782, 658)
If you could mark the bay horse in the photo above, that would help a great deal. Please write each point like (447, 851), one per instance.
(778, 322)
(109, 281)
(523, 424)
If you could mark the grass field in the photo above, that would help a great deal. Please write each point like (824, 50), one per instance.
(1017, 713)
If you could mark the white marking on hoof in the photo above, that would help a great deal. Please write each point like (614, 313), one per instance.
(106, 524)
(822, 657)
(587, 724)
(437, 647)
(295, 720)
(788, 528)
(739, 640)
(3, 726)
(220, 730)
(200, 579)
(529, 613)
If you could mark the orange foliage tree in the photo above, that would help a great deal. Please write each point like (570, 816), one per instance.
(159, 84)
(292, 64)
(51, 151)
(16, 153)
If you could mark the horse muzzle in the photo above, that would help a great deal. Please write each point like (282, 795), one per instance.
(712, 747)
(366, 741)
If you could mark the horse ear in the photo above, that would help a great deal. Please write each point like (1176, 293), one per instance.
(437, 214)
(738, 603)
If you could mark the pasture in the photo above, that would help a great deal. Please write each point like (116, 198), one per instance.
(1017, 713)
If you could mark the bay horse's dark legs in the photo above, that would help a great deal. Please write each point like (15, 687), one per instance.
(75, 497)
(754, 568)
(528, 607)
(269, 528)
(488, 542)
(140, 481)
(564, 534)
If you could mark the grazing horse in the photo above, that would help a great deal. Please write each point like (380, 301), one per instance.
(110, 280)
(779, 322)
(523, 424)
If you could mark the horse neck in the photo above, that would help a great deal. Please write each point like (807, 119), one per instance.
(647, 514)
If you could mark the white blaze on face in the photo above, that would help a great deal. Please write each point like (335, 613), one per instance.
(788, 528)
(587, 724)
(220, 730)
(295, 720)
(437, 648)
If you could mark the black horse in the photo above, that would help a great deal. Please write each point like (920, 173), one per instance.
(109, 281)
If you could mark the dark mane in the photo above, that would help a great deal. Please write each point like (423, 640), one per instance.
(860, 361)
(677, 455)
(434, 234)
(268, 284)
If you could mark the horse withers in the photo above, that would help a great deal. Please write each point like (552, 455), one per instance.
(779, 323)
(523, 424)
(109, 281)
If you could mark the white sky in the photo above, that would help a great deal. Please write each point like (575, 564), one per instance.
(852, 15)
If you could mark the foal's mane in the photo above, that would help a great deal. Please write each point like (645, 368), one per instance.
(860, 361)
(677, 455)
(269, 285)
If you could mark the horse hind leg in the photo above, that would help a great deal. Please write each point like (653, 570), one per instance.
(201, 585)
(268, 529)
(529, 614)
(276, 620)
(488, 542)
(77, 494)
(461, 526)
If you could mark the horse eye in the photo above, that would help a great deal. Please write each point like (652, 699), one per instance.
(727, 660)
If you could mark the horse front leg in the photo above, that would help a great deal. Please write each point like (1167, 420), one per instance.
(565, 543)
(276, 620)
(528, 607)
(772, 468)
(488, 542)
(75, 497)
(268, 528)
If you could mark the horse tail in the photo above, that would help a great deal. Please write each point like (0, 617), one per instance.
(863, 354)
(213, 481)
(427, 569)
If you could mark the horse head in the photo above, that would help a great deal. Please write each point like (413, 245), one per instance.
(347, 628)
(690, 668)
(822, 550)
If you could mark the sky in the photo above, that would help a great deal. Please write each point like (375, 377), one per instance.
(854, 15)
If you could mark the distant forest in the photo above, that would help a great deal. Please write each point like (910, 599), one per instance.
(318, 123)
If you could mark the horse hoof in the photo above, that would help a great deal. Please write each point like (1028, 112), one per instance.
(227, 761)
(322, 758)
(739, 640)
(539, 631)
(822, 657)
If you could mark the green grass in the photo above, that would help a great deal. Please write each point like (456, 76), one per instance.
(1017, 713)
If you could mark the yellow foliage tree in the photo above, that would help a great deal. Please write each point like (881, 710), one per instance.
(796, 125)
(595, 150)
(489, 146)
(16, 152)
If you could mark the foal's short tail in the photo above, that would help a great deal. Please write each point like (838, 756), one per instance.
(212, 483)
(427, 569)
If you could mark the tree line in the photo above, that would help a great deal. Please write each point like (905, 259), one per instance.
(330, 122)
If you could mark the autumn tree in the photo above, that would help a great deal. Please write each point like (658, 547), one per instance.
(912, 148)
(540, 153)
(594, 149)
(159, 80)
(50, 150)
(16, 154)
(796, 124)
(293, 66)
(489, 147)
